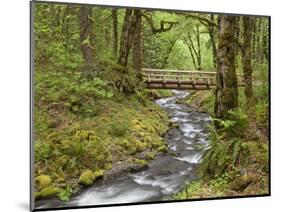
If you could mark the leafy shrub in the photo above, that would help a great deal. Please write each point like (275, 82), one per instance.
(235, 125)
(223, 155)
(69, 90)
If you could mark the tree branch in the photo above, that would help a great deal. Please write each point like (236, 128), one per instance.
(163, 27)
(200, 19)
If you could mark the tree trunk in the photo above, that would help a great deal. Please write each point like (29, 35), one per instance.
(191, 51)
(137, 46)
(247, 66)
(226, 88)
(265, 40)
(198, 48)
(259, 41)
(128, 30)
(212, 34)
(253, 43)
(238, 37)
(195, 53)
(115, 31)
(86, 35)
(166, 57)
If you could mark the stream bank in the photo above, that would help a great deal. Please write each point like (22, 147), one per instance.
(249, 174)
(166, 174)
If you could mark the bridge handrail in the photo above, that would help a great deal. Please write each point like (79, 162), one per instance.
(184, 72)
(178, 71)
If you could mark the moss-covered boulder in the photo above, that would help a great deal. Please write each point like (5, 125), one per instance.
(47, 192)
(240, 183)
(86, 178)
(139, 165)
(163, 149)
(98, 174)
(42, 181)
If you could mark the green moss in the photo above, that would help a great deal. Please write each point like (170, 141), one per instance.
(141, 163)
(240, 183)
(163, 149)
(95, 143)
(149, 156)
(98, 174)
(86, 178)
(42, 181)
(47, 192)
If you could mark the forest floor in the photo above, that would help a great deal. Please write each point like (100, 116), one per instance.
(249, 175)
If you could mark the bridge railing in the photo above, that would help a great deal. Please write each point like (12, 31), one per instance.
(207, 78)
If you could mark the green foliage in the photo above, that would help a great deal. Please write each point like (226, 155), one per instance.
(188, 191)
(43, 151)
(235, 125)
(67, 92)
(64, 194)
(222, 156)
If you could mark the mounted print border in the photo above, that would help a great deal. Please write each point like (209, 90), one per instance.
(142, 106)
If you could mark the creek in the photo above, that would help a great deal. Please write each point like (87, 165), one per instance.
(167, 173)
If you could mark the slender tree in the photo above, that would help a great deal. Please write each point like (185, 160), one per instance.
(213, 33)
(86, 34)
(114, 13)
(226, 94)
(195, 49)
(246, 60)
(128, 31)
(168, 52)
(137, 44)
(259, 41)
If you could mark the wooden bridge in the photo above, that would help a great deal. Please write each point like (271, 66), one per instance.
(181, 80)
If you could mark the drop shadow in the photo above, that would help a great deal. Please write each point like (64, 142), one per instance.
(23, 205)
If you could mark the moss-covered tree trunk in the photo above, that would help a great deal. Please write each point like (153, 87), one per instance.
(238, 37)
(86, 35)
(128, 31)
(259, 41)
(114, 14)
(265, 31)
(137, 45)
(226, 95)
(246, 60)
(253, 42)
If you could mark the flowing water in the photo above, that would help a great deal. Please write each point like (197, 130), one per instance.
(167, 174)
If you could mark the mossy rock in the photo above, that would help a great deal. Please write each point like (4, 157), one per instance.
(149, 156)
(98, 174)
(139, 165)
(86, 178)
(163, 149)
(47, 192)
(240, 183)
(42, 181)
(173, 125)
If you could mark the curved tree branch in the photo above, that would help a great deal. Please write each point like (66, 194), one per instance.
(163, 24)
